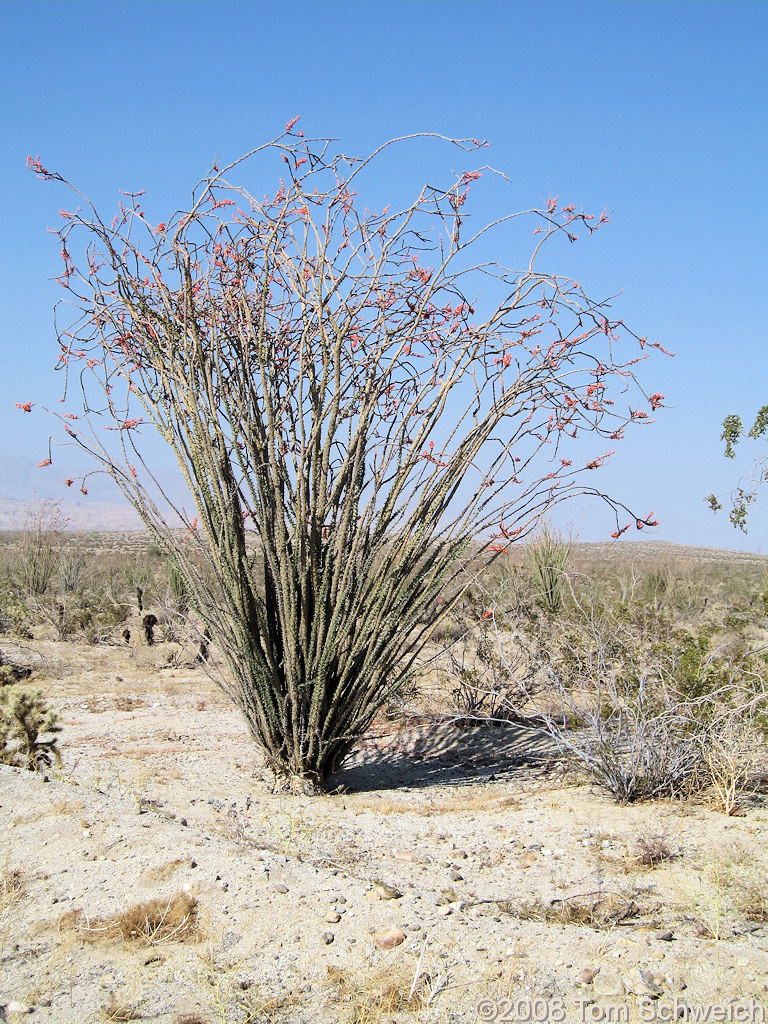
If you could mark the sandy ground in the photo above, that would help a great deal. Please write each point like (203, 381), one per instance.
(502, 885)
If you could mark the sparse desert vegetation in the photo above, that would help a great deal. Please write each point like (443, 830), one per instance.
(468, 850)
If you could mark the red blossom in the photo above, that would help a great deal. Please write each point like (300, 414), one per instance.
(45, 462)
(69, 482)
(488, 613)
(24, 406)
(656, 399)
(33, 163)
(292, 122)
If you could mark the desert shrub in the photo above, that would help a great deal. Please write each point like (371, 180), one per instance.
(11, 672)
(631, 698)
(548, 557)
(35, 554)
(72, 570)
(28, 729)
(348, 423)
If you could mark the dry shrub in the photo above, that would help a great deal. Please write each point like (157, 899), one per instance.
(733, 760)
(752, 901)
(652, 850)
(152, 922)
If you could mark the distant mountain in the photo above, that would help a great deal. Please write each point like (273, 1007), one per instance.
(23, 483)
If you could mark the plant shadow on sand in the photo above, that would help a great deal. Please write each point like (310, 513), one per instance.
(446, 755)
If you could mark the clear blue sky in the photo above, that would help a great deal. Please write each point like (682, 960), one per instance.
(655, 110)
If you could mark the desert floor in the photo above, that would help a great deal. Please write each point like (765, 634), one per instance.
(502, 885)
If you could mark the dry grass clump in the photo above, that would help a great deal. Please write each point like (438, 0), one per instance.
(162, 872)
(597, 910)
(120, 1008)
(151, 922)
(11, 887)
(372, 995)
(12, 894)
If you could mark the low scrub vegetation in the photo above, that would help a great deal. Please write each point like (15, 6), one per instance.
(650, 675)
(646, 664)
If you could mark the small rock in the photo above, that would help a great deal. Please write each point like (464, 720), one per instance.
(224, 885)
(332, 917)
(665, 936)
(16, 1007)
(388, 938)
(382, 891)
(644, 984)
(456, 876)
(610, 985)
(446, 910)
(328, 938)
(404, 855)
(280, 888)
(588, 975)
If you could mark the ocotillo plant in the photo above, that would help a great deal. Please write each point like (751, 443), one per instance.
(355, 403)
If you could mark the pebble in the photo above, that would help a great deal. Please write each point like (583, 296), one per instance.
(665, 936)
(588, 975)
(280, 888)
(328, 938)
(332, 917)
(446, 910)
(388, 938)
(16, 1007)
